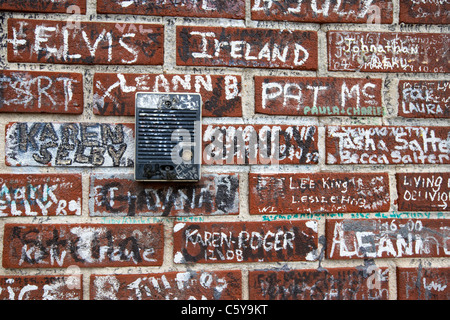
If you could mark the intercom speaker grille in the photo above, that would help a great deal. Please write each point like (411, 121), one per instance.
(168, 135)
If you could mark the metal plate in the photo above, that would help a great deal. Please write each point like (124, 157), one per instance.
(168, 136)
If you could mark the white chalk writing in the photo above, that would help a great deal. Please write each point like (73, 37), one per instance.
(22, 90)
(54, 41)
(392, 52)
(376, 239)
(65, 144)
(30, 288)
(36, 199)
(390, 145)
(324, 98)
(318, 8)
(185, 285)
(420, 98)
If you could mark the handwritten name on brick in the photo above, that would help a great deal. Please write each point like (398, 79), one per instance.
(423, 283)
(318, 96)
(17, 287)
(189, 285)
(224, 242)
(388, 52)
(423, 191)
(69, 144)
(246, 47)
(186, 8)
(40, 195)
(423, 99)
(83, 245)
(44, 41)
(119, 195)
(425, 11)
(260, 144)
(47, 6)
(41, 92)
(324, 11)
(318, 193)
(326, 284)
(387, 145)
(387, 238)
(114, 93)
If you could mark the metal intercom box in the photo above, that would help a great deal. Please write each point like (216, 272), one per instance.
(168, 136)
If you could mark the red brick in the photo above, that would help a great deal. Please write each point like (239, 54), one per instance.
(18, 287)
(297, 144)
(246, 47)
(187, 8)
(69, 144)
(423, 283)
(387, 238)
(423, 99)
(190, 285)
(114, 93)
(300, 96)
(44, 41)
(120, 195)
(83, 245)
(47, 6)
(387, 145)
(427, 12)
(290, 193)
(41, 92)
(40, 195)
(388, 52)
(325, 284)
(423, 191)
(361, 11)
(224, 242)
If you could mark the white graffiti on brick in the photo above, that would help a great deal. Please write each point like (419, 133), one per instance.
(69, 144)
(389, 145)
(319, 8)
(27, 90)
(19, 201)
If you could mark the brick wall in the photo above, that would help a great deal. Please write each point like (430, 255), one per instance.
(355, 205)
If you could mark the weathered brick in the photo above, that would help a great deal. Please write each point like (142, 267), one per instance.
(41, 92)
(187, 8)
(387, 145)
(387, 238)
(18, 287)
(285, 193)
(83, 245)
(47, 6)
(69, 144)
(246, 47)
(189, 285)
(429, 12)
(260, 144)
(120, 195)
(423, 99)
(114, 93)
(361, 11)
(45, 41)
(423, 191)
(318, 96)
(325, 284)
(40, 194)
(215, 242)
(388, 52)
(423, 283)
